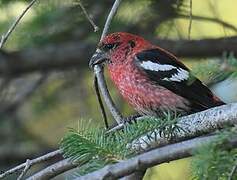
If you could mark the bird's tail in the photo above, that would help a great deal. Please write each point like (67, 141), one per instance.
(217, 101)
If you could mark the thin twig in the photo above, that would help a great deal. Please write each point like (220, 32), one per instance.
(110, 17)
(53, 170)
(96, 28)
(4, 38)
(16, 22)
(27, 167)
(98, 70)
(210, 19)
(190, 19)
(232, 173)
(100, 102)
(32, 162)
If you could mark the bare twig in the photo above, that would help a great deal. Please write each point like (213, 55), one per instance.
(53, 170)
(16, 22)
(5, 36)
(98, 70)
(27, 167)
(96, 28)
(190, 19)
(67, 56)
(151, 158)
(31, 163)
(232, 173)
(210, 19)
(110, 17)
(63, 166)
(103, 112)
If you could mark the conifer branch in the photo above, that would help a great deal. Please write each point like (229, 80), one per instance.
(192, 126)
(216, 118)
(233, 171)
(195, 124)
(151, 158)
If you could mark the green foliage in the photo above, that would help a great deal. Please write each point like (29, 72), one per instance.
(216, 160)
(215, 70)
(50, 25)
(94, 148)
(3, 2)
(232, 64)
(48, 97)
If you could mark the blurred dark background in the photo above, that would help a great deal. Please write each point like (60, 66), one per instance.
(50, 87)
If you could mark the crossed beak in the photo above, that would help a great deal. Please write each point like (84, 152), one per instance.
(97, 58)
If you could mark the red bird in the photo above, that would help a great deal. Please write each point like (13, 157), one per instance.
(150, 78)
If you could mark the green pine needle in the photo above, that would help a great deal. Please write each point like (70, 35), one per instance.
(215, 70)
(215, 160)
(93, 148)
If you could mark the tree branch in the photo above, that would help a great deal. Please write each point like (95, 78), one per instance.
(21, 97)
(110, 17)
(199, 48)
(53, 170)
(151, 158)
(96, 28)
(51, 57)
(232, 173)
(31, 163)
(75, 54)
(13, 26)
(194, 125)
(190, 18)
(98, 70)
(209, 19)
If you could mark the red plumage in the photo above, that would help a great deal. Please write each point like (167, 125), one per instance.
(151, 79)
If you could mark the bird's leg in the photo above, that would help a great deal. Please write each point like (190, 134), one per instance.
(125, 121)
(131, 119)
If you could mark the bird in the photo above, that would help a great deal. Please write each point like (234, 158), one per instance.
(151, 79)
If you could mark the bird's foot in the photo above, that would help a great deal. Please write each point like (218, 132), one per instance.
(131, 119)
(125, 121)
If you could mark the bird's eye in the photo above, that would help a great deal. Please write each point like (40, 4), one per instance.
(109, 46)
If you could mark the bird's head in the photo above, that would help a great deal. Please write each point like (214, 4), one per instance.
(116, 46)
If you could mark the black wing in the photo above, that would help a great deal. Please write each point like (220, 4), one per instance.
(164, 69)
